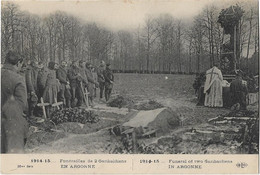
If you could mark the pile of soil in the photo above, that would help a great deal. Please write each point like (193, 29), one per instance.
(234, 137)
(120, 101)
(162, 120)
(40, 138)
(75, 137)
(150, 105)
(78, 128)
(187, 142)
(242, 113)
(74, 115)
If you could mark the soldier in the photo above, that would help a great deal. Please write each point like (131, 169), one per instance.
(109, 81)
(101, 79)
(50, 88)
(82, 72)
(83, 77)
(91, 83)
(75, 80)
(41, 79)
(13, 103)
(95, 77)
(238, 92)
(31, 74)
(198, 85)
(64, 95)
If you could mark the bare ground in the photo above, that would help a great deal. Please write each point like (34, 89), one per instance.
(174, 91)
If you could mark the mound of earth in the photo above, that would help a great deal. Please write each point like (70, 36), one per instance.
(106, 120)
(242, 113)
(78, 128)
(149, 105)
(120, 101)
(74, 115)
(161, 120)
(42, 137)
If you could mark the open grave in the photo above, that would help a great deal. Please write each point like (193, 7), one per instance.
(147, 127)
(235, 132)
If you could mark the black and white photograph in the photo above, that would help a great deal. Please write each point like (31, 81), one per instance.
(130, 77)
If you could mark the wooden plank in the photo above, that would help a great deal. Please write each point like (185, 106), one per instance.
(128, 131)
(149, 132)
(239, 118)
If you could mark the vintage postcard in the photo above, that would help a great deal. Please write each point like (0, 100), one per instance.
(129, 86)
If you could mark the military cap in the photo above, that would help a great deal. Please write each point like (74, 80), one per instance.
(12, 57)
(87, 64)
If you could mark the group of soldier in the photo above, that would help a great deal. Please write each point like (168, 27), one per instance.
(28, 87)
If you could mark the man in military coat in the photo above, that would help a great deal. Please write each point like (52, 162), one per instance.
(75, 80)
(64, 95)
(109, 81)
(31, 74)
(13, 103)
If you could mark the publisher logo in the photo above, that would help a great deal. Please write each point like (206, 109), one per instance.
(241, 165)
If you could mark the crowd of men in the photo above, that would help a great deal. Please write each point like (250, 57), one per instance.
(27, 87)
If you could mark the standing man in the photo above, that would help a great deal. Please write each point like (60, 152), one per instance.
(41, 79)
(31, 74)
(109, 81)
(64, 95)
(238, 92)
(13, 103)
(101, 78)
(82, 73)
(213, 87)
(91, 83)
(75, 79)
(198, 85)
(51, 87)
(95, 77)
(83, 79)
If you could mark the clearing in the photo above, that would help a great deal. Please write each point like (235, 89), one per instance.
(195, 135)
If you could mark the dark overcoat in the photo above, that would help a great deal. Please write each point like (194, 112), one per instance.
(13, 102)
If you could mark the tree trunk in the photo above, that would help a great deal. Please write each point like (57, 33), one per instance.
(249, 38)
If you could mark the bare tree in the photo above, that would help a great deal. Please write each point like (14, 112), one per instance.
(150, 35)
(10, 21)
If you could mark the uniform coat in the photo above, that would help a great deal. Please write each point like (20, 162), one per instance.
(101, 80)
(91, 82)
(41, 80)
(64, 95)
(51, 88)
(31, 74)
(76, 91)
(73, 75)
(109, 79)
(84, 78)
(13, 84)
(13, 103)
(238, 92)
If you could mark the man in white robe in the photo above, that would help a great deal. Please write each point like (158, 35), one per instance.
(213, 88)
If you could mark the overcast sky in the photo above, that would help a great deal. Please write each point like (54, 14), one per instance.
(117, 14)
(120, 14)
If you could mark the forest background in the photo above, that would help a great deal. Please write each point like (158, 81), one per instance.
(162, 43)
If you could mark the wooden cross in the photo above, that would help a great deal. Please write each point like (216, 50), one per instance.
(85, 94)
(42, 104)
(56, 104)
